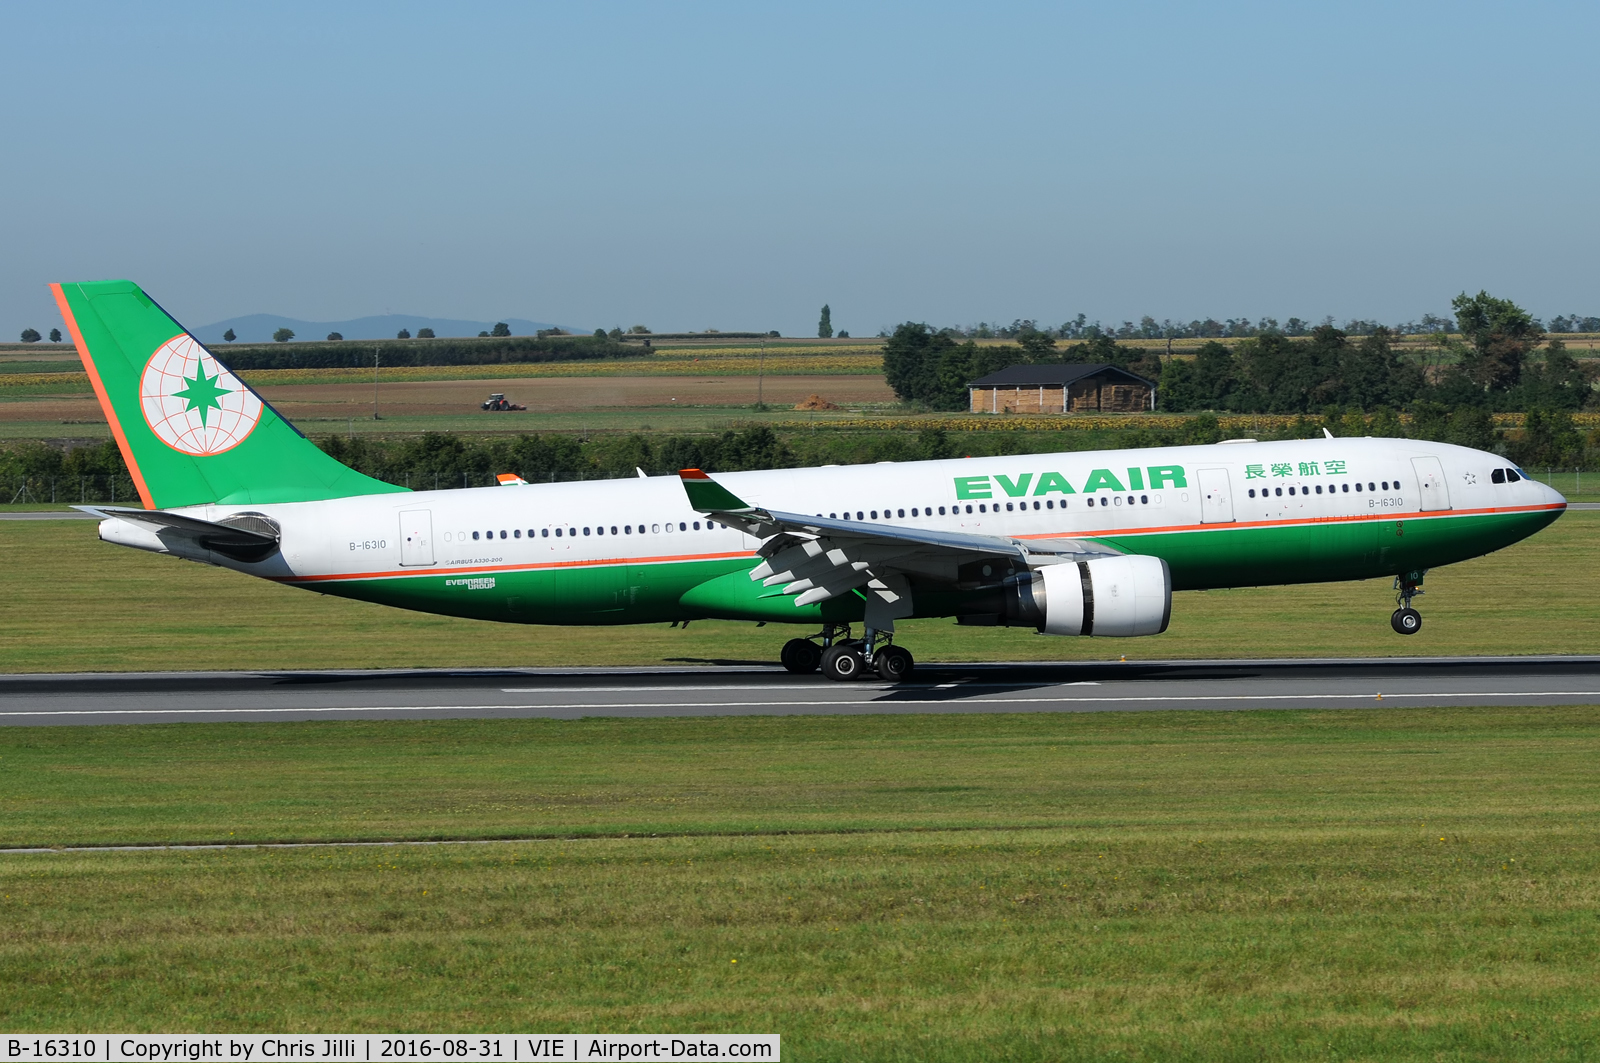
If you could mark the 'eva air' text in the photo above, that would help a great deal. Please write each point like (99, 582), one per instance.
(1151, 477)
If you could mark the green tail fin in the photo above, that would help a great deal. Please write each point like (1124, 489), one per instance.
(191, 432)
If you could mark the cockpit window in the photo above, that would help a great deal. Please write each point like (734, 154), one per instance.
(1498, 476)
(1511, 476)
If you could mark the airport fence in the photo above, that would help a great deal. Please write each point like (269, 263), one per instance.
(86, 489)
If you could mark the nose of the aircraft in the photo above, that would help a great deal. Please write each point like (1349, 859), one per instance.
(1552, 496)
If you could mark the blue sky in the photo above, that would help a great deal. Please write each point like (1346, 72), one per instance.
(736, 166)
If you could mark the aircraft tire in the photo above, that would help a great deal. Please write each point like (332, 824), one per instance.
(894, 664)
(1406, 621)
(801, 656)
(843, 663)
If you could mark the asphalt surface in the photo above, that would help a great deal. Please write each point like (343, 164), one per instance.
(733, 688)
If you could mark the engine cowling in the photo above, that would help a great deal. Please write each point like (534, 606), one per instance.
(1109, 596)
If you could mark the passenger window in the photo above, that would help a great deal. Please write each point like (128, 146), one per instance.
(447, 537)
(586, 531)
(1049, 503)
(859, 516)
(1386, 485)
(696, 525)
(941, 511)
(683, 526)
(502, 533)
(903, 512)
(517, 534)
(1011, 507)
(1144, 500)
(1278, 491)
(1346, 488)
(874, 514)
(558, 533)
(1090, 500)
(655, 528)
(545, 534)
(982, 508)
(1252, 492)
(613, 529)
(969, 509)
(474, 535)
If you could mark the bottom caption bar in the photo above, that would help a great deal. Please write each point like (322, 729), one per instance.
(359, 1048)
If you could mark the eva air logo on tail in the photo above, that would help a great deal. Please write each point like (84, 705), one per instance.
(192, 403)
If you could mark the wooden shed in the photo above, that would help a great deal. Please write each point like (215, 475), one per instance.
(1061, 389)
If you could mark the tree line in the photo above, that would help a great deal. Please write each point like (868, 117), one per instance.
(485, 350)
(1500, 359)
(1148, 328)
(36, 472)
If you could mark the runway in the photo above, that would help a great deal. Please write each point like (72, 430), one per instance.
(755, 689)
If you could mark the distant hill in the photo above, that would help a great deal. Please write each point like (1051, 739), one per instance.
(258, 328)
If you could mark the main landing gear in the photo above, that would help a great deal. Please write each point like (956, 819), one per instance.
(1406, 620)
(843, 658)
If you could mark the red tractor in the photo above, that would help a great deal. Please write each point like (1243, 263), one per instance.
(497, 404)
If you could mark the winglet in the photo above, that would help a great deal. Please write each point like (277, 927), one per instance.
(708, 496)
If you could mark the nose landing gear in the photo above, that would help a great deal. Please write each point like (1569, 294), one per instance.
(1406, 620)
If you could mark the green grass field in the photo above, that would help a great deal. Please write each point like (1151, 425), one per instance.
(1377, 884)
(1385, 884)
(74, 603)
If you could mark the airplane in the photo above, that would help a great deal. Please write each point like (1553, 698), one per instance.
(1074, 544)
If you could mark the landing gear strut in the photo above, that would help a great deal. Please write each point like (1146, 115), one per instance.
(842, 658)
(1406, 620)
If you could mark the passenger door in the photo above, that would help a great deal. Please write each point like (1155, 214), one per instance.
(416, 537)
(1430, 477)
(1216, 497)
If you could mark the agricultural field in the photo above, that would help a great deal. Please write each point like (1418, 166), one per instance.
(76, 604)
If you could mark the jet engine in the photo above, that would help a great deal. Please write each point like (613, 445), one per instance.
(1109, 596)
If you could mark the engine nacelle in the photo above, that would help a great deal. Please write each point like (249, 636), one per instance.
(1109, 596)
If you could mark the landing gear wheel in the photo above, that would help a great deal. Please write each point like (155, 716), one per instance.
(801, 656)
(1406, 621)
(894, 664)
(843, 663)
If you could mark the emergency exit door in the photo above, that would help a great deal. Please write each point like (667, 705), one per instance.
(1430, 478)
(1216, 497)
(416, 537)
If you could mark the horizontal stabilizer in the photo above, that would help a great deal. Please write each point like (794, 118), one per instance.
(245, 537)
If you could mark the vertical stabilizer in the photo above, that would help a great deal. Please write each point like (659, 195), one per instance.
(190, 430)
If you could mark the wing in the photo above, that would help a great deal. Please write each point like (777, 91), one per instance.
(816, 558)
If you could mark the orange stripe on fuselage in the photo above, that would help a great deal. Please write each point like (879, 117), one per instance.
(1337, 519)
(535, 567)
(105, 399)
(671, 558)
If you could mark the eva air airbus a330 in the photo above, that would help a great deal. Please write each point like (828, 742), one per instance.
(1088, 544)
